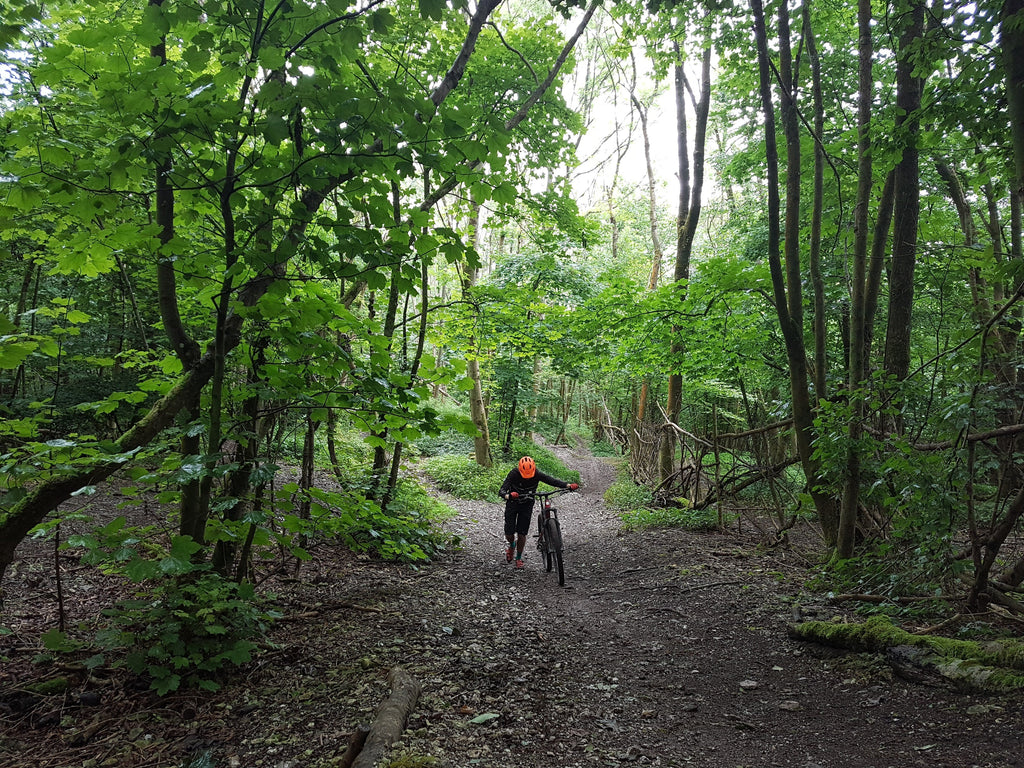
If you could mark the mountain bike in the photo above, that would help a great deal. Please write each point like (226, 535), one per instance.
(549, 532)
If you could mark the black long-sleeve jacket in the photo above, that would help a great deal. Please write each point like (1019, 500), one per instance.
(525, 485)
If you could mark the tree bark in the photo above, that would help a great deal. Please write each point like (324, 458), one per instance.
(817, 203)
(790, 324)
(907, 204)
(691, 188)
(846, 537)
(1012, 44)
(926, 659)
(391, 718)
(477, 408)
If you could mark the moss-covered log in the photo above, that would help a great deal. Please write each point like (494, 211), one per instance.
(994, 667)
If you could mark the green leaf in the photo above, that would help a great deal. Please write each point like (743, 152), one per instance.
(55, 640)
(504, 193)
(276, 129)
(141, 569)
(432, 9)
(486, 717)
(14, 353)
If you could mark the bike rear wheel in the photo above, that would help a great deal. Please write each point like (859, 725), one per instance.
(553, 533)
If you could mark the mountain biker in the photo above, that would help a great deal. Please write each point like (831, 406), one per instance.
(522, 481)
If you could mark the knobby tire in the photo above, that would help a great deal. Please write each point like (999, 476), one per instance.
(553, 534)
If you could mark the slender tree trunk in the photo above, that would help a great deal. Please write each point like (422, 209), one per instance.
(691, 189)
(851, 492)
(251, 435)
(380, 452)
(876, 266)
(414, 369)
(814, 263)
(1012, 44)
(477, 409)
(657, 252)
(28, 277)
(183, 345)
(789, 324)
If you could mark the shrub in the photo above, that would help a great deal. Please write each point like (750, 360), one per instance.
(186, 630)
(444, 444)
(464, 478)
(604, 448)
(624, 494)
(404, 531)
(667, 517)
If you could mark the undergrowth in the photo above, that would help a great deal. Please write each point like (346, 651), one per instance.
(638, 510)
(670, 517)
(462, 477)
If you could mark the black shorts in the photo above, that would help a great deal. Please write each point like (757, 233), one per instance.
(517, 519)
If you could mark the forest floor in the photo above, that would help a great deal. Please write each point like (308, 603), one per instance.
(665, 648)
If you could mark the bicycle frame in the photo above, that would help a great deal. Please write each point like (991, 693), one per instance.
(549, 531)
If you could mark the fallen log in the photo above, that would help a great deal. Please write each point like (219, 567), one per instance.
(990, 667)
(391, 718)
(355, 745)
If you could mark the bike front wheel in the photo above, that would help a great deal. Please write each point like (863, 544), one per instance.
(553, 534)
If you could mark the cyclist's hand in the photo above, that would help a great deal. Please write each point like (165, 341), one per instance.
(514, 495)
(573, 487)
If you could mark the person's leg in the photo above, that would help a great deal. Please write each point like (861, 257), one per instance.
(522, 528)
(510, 534)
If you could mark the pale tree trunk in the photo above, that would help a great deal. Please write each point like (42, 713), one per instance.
(477, 407)
(790, 322)
(846, 538)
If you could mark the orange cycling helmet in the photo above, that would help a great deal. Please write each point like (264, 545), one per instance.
(527, 466)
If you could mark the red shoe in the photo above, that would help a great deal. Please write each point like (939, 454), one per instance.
(509, 553)
(519, 563)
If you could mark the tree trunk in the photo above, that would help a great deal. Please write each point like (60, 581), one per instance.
(477, 408)
(907, 203)
(380, 452)
(1012, 44)
(391, 717)
(817, 203)
(790, 323)
(846, 537)
(691, 189)
(963, 664)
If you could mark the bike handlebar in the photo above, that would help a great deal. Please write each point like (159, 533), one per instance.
(540, 494)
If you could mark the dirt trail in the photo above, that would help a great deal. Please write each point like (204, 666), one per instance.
(665, 648)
